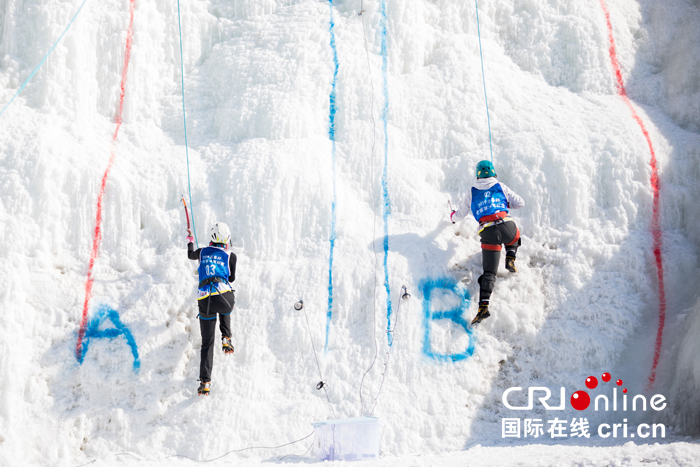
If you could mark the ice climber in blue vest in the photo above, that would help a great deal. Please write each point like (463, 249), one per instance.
(217, 269)
(489, 201)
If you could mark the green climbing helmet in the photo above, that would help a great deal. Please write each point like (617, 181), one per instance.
(484, 169)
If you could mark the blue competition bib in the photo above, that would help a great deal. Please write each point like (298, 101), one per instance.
(488, 202)
(213, 262)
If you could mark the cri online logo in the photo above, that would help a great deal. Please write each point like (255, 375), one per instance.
(580, 400)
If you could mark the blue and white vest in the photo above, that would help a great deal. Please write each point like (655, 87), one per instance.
(213, 264)
(488, 202)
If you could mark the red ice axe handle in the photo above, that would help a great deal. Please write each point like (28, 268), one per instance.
(452, 211)
(187, 214)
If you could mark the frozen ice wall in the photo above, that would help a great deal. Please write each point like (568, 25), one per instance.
(258, 80)
(667, 76)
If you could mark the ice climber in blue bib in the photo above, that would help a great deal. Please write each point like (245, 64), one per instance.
(217, 269)
(489, 202)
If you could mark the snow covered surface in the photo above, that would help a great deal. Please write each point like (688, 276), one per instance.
(678, 452)
(258, 76)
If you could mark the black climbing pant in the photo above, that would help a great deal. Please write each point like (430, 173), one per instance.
(207, 325)
(492, 239)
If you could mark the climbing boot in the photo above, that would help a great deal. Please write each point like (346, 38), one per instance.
(204, 388)
(510, 263)
(226, 345)
(482, 314)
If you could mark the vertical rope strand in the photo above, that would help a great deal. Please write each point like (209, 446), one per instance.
(483, 76)
(374, 210)
(318, 365)
(184, 119)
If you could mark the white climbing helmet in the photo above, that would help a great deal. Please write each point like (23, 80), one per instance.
(220, 233)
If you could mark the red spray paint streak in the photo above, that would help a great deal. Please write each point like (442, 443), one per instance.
(97, 236)
(655, 185)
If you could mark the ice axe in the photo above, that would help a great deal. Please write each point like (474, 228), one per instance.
(452, 211)
(189, 229)
(187, 214)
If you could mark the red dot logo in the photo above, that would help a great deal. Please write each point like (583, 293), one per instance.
(591, 382)
(619, 382)
(606, 377)
(580, 400)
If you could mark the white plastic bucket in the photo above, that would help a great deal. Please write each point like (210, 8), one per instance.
(347, 439)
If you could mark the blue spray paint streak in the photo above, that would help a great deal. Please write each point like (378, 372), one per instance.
(119, 329)
(31, 75)
(331, 135)
(456, 315)
(385, 187)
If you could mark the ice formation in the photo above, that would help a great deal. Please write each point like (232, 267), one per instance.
(258, 80)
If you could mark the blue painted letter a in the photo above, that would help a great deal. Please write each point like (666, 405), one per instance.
(120, 329)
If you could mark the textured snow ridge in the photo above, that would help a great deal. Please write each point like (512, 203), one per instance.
(258, 80)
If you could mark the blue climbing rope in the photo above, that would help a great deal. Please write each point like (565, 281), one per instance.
(31, 75)
(184, 119)
(483, 76)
